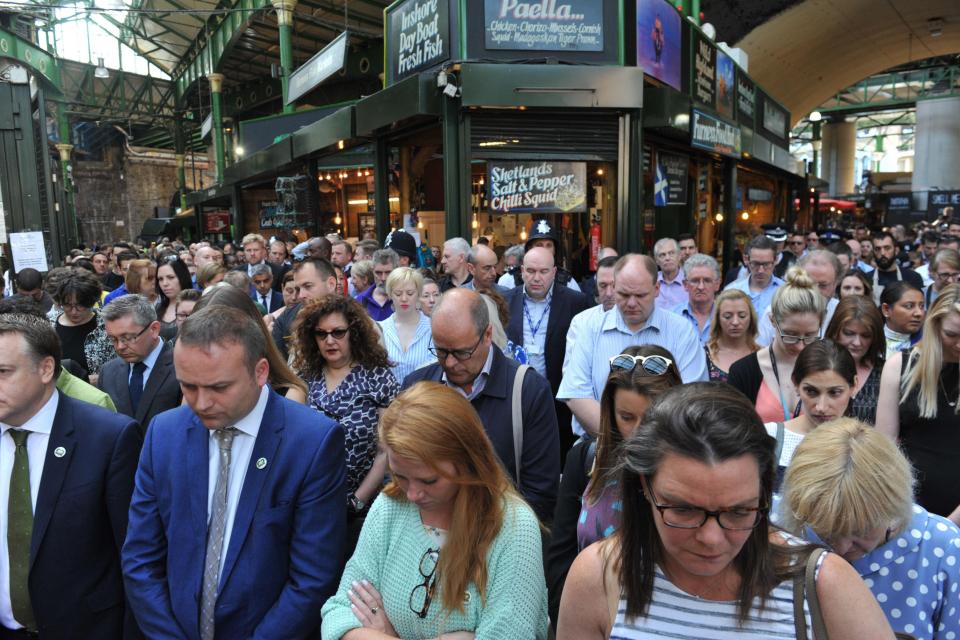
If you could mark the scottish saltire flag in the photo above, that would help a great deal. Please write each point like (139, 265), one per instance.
(660, 187)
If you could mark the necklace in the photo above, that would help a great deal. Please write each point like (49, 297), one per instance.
(952, 403)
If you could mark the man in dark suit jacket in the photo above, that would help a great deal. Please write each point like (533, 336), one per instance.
(204, 557)
(262, 288)
(538, 300)
(254, 253)
(141, 381)
(470, 363)
(63, 557)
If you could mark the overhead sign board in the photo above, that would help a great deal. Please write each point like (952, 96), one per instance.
(553, 25)
(321, 66)
(536, 186)
(726, 89)
(206, 126)
(418, 36)
(746, 100)
(774, 119)
(703, 88)
(714, 134)
(659, 41)
(937, 201)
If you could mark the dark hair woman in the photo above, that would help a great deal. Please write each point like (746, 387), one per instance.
(857, 326)
(173, 276)
(83, 336)
(694, 555)
(589, 488)
(854, 283)
(901, 304)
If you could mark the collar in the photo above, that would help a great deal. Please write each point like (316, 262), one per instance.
(42, 420)
(677, 279)
(483, 372)
(151, 358)
(546, 299)
(250, 423)
(896, 336)
(774, 282)
(613, 319)
(905, 544)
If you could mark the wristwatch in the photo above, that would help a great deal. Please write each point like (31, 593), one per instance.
(356, 503)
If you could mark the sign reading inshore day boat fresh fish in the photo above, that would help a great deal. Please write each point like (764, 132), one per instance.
(536, 186)
(543, 25)
(418, 36)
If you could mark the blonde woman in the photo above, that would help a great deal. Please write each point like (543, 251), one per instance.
(210, 274)
(733, 333)
(849, 488)
(449, 549)
(918, 405)
(406, 333)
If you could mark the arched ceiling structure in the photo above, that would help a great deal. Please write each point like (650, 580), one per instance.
(814, 49)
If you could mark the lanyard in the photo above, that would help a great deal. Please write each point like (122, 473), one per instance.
(535, 328)
(783, 402)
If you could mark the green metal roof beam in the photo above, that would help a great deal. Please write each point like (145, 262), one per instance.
(193, 17)
(128, 29)
(45, 65)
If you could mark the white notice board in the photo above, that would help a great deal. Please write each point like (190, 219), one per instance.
(28, 251)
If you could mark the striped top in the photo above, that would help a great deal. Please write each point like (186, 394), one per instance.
(676, 614)
(417, 353)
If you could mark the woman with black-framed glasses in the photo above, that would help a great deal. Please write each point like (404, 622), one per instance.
(450, 549)
(587, 502)
(695, 556)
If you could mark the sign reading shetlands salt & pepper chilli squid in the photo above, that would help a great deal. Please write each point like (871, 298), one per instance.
(543, 25)
(541, 187)
(418, 36)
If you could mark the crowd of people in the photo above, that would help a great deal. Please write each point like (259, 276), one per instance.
(366, 441)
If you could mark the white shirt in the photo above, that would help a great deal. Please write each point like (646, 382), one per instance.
(539, 318)
(40, 426)
(247, 429)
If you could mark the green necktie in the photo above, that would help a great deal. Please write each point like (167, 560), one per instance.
(20, 531)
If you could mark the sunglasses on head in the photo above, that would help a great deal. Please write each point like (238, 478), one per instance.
(654, 365)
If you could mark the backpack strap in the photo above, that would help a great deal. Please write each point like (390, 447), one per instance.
(809, 590)
(780, 438)
(518, 419)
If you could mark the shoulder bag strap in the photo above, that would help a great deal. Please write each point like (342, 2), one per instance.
(518, 419)
(799, 619)
(780, 436)
(810, 581)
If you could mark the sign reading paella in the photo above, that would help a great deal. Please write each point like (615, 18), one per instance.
(536, 186)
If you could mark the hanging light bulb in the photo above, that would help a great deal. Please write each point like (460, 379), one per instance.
(474, 224)
(744, 216)
(337, 220)
(359, 174)
(419, 224)
(481, 181)
(329, 177)
(718, 217)
(523, 235)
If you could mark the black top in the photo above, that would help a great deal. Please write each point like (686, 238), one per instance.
(746, 376)
(907, 275)
(933, 444)
(863, 406)
(72, 340)
(111, 280)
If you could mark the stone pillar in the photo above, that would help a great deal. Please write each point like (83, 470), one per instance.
(285, 27)
(839, 156)
(216, 98)
(937, 148)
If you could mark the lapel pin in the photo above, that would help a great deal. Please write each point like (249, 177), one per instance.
(261, 463)
(59, 452)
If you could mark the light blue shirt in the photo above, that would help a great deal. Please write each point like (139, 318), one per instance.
(672, 293)
(478, 383)
(150, 360)
(584, 318)
(417, 353)
(767, 332)
(603, 336)
(536, 315)
(760, 299)
(684, 309)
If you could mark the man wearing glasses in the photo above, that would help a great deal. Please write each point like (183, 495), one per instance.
(141, 380)
(469, 362)
(761, 284)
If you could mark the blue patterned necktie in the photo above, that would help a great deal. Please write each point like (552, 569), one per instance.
(218, 523)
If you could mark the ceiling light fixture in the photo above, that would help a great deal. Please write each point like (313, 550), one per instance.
(935, 27)
(101, 70)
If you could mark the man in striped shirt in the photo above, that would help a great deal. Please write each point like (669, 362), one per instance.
(633, 321)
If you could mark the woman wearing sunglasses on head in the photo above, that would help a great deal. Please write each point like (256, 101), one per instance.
(694, 556)
(588, 501)
(797, 312)
(339, 355)
(449, 550)
(850, 489)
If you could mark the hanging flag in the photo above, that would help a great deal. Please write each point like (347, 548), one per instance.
(660, 187)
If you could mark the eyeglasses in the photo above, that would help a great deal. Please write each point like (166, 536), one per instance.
(946, 277)
(459, 354)
(128, 340)
(792, 339)
(701, 282)
(736, 519)
(760, 266)
(336, 333)
(428, 566)
(83, 307)
(654, 365)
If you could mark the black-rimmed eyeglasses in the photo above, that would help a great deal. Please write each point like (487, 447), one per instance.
(128, 340)
(689, 517)
(423, 592)
(459, 354)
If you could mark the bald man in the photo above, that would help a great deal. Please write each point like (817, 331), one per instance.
(540, 315)
(482, 265)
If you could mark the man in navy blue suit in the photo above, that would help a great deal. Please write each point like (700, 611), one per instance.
(68, 470)
(239, 511)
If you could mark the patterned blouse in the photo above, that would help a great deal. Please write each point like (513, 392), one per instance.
(863, 407)
(354, 404)
(716, 373)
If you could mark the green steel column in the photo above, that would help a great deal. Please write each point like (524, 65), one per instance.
(381, 189)
(695, 11)
(180, 148)
(729, 210)
(633, 227)
(285, 24)
(216, 98)
(65, 148)
(456, 190)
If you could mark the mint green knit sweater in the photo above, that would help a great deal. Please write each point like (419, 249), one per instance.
(388, 555)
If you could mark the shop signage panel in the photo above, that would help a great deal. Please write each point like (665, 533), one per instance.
(704, 89)
(900, 202)
(659, 41)
(670, 181)
(715, 135)
(937, 201)
(418, 36)
(775, 117)
(536, 186)
(321, 66)
(726, 85)
(543, 25)
(216, 222)
(746, 100)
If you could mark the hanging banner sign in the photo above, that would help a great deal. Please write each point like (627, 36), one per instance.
(746, 100)
(704, 89)
(726, 86)
(715, 135)
(775, 117)
(418, 36)
(540, 187)
(216, 222)
(670, 183)
(544, 25)
(321, 66)
(659, 41)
